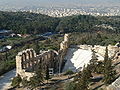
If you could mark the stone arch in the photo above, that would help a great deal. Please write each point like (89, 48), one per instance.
(56, 53)
(28, 58)
(32, 56)
(28, 54)
(32, 53)
(22, 64)
(23, 60)
(24, 56)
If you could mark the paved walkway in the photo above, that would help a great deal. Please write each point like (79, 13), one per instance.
(5, 80)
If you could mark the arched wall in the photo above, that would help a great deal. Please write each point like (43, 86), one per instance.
(28, 60)
(24, 60)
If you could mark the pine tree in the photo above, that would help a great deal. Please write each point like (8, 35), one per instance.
(109, 72)
(39, 73)
(83, 82)
(93, 62)
(106, 57)
(94, 59)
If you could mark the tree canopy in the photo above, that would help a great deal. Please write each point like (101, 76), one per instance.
(31, 23)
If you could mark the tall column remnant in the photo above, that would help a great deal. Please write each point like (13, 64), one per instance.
(65, 44)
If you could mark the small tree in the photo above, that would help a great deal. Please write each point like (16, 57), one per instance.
(94, 59)
(109, 72)
(84, 79)
(93, 62)
(16, 81)
(69, 72)
(24, 82)
(100, 67)
(77, 77)
(70, 86)
(106, 57)
(47, 74)
(37, 79)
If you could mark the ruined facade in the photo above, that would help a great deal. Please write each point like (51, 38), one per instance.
(24, 61)
(27, 60)
(64, 45)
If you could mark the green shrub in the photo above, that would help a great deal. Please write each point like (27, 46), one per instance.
(16, 81)
(6, 66)
(69, 72)
(70, 86)
(25, 83)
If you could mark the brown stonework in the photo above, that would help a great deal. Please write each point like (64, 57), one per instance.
(27, 60)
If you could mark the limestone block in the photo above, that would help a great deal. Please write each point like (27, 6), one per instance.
(66, 37)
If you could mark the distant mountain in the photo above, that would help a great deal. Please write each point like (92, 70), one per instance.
(56, 3)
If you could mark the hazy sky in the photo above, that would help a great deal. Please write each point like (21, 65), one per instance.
(23, 3)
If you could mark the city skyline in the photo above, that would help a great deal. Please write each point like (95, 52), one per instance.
(57, 3)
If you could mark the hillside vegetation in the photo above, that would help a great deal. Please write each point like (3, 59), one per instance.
(31, 23)
(24, 22)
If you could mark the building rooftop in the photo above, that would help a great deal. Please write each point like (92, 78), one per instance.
(5, 31)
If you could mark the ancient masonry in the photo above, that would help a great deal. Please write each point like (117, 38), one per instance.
(27, 60)
(113, 51)
(65, 44)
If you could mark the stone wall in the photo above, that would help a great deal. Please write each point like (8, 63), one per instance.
(65, 44)
(24, 60)
(112, 50)
(27, 61)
